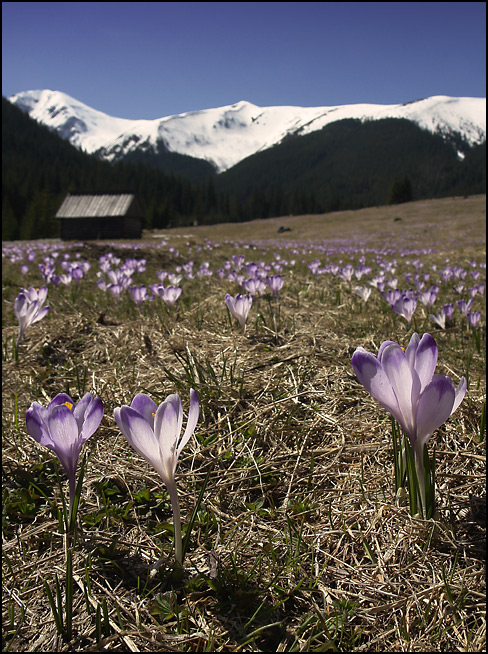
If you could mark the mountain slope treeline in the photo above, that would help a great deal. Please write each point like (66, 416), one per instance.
(351, 164)
(347, 165)
(39, 169)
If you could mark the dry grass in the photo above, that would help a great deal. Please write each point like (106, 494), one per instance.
(299, 544)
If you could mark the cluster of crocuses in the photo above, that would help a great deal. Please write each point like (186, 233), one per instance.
(72, 270)
(120, 279)
(255, 278)
(153, 431)
(405, 302)
(403, 381)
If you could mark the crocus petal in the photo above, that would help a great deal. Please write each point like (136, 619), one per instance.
(425, 360)
(229, 300)
(139, 434)
(191, 422)
(61, 398)
(40, 314)
(460, 393)
(35, 423)
(405, 384)
(167, 425)
(42, 294)
(411, 351)
(371, 375)
(146, 406)
(92, 417)
(434, 408)
(20, 304)
(63, 428)
(27, 314)
(382, 348)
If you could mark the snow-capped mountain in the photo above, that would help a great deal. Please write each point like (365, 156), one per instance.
(226, 135)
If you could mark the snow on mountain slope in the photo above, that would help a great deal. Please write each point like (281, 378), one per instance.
(226, 135)
(74, 121)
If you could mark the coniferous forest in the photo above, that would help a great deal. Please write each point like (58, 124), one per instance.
(346, 165)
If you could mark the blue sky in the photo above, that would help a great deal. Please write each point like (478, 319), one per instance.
(155, 59)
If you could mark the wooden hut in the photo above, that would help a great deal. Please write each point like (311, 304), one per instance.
(100, 216)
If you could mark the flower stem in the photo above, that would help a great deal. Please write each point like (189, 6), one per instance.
(173, 494)
(419, 466)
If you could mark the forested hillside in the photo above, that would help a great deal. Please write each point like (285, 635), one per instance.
(39, 168)
(346, 165)
(349, 165)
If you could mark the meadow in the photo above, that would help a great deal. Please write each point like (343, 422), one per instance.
(298, 541)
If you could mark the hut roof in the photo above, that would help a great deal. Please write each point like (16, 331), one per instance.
(96, 206)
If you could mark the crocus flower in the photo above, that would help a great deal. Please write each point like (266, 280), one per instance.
(275, 283)
(429, 297)
(439, 318)
(391, 296)
(393, 282)
(174, 279)
(239, 307)
(115, 289)
(404, 384)
(448, 310)
(363, 291)
(464, 306)
(405, 306)
(346, 273)
(170, 294)
(238, 260)
(254, 286)
(473, 318)
(138, 294)
(154, 432)
(63, 427)
(28, 308)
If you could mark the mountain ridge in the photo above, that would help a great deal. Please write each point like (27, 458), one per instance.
(224, 136)
(347, 164)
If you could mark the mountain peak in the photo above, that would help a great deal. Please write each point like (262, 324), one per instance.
(226, 135)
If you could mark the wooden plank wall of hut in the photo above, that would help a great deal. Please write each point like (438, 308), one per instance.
(100, 228)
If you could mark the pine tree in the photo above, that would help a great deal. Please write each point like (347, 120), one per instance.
(400, 191)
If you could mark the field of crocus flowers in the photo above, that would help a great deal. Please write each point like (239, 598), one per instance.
(276, 523)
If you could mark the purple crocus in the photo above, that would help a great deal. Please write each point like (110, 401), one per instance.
(448, 310)
(138, 294)
(391, 295)
(254, 286)
(464, 306)
(363, 291)
(275, 283)
(170, 294)
(439, 318)
(28, 308)
(404, 384)
(154, 432)
(346, 272)
(473, 318)
(63, 427)
(429, 297)
(405, 306)
(116, 290)
(239, 307)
